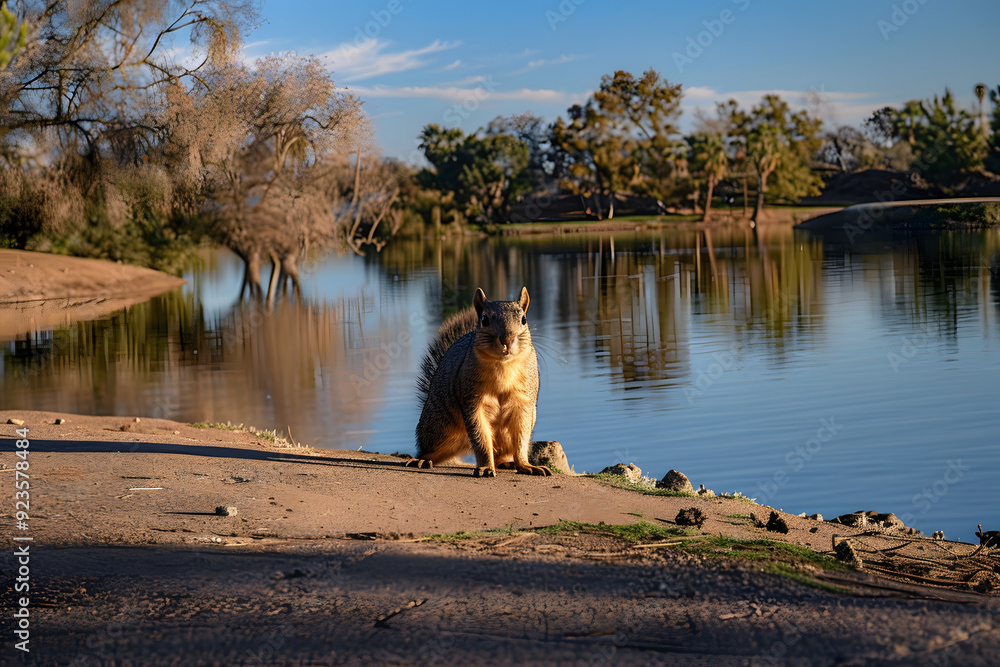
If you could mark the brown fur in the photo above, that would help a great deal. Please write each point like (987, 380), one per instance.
(480, 388)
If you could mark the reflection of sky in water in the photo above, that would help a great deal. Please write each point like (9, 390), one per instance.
(655, 363)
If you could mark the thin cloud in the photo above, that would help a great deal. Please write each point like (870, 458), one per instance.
(835, 107)
(484, 92)
(536, 64)
(448, 68)
(371, 59)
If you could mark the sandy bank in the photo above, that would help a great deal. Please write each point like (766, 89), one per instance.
(326, 562)
(43, 291)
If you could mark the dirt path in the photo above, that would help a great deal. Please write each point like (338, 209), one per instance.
(325, 562)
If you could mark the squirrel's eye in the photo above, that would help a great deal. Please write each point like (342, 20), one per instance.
(524, 319)
(486, 320)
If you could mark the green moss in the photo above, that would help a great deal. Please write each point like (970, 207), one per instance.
(620, 482)
(643, 531)
(785, 570)
(718, 546)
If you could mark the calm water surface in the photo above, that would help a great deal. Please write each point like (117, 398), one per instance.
(815, 377)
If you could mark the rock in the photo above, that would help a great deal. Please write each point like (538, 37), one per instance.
(16, 422)
(815, 517)
(937, 535)
(776, 524)
(675, 481)
(226, 510)
(630, 472)
(548, 453)
(846, 553)
(989, 538)
(705, 493)
(690, 517)
(888, 520)
(59, 421)
(854, 519)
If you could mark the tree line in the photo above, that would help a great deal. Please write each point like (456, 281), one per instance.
(625, 140)
(113, 145)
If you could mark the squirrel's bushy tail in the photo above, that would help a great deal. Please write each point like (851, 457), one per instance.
(451, 330)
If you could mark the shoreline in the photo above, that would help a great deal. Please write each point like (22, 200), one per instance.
(336, 551)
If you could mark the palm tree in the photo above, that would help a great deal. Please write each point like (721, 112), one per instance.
(708, 153)
(981, 93)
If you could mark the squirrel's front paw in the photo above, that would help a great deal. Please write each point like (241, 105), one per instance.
(534, 470)
(419, 463)
(484, 471)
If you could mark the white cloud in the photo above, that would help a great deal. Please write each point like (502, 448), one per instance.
(536, 64)
(452, 66)
(488, 90)
(834, 107)
(370, 59)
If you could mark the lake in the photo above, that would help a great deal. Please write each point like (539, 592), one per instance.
(814, 376)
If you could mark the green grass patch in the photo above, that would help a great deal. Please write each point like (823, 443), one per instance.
(224, 427)
(643, 531)
(785, 570)
(271, 436)
(759, 549)
(738, 516)
(620, 482)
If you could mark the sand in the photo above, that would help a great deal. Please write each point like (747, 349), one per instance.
(327, 561)
(41, 291)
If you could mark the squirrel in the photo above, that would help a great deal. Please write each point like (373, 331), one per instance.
(479, 389)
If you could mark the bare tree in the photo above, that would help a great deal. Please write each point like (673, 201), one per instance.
(268, 144)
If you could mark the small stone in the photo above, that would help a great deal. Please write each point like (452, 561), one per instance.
(226, 510)
(630, 472)
(16, 422)
(137, 420)
(705, 493)
(690, 517)
(675, 481)
(846, 553)
(776, 524)
(550, 454)
(815, 517)
(59, 421)
(177, 432)
(937, 535)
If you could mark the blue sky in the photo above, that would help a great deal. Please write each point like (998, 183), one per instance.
(462, 63)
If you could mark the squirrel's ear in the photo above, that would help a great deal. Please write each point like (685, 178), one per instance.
(523, 301)
(479, 301)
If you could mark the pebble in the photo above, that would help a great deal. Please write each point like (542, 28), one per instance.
(60, 421)
(226, 510)
(16, 422)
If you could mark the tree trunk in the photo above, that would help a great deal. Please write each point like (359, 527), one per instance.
(290, 270)
(251, 274)
(759, 206)
(708, 201)
(272, 284)
(611, 206)
(745, 196)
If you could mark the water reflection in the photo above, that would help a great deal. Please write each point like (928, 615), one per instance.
(712, 351)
